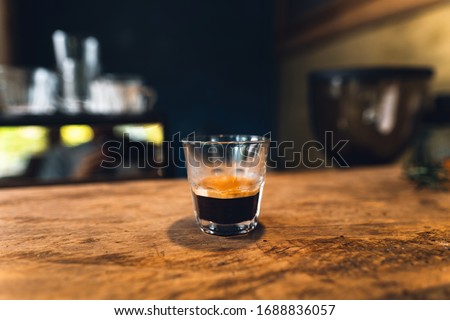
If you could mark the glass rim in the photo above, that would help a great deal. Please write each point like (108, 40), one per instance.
(225, 139)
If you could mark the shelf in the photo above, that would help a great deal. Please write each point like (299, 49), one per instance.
(64, 119)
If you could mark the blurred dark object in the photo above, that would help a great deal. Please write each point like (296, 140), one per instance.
(430, 164)
(440, 113)
(375, 109)
(109, 154)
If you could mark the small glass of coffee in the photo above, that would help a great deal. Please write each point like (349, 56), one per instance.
(226, 174)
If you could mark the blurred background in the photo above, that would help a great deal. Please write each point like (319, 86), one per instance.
(212, 64)
(222, 66)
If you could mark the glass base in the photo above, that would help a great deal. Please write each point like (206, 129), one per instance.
(218, 229)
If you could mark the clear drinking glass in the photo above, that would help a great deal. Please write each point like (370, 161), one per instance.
(226, 174)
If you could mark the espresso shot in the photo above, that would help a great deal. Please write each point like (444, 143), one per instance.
(226, 211)
(227, 201)
(226, 174)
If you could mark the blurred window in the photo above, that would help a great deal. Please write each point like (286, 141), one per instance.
(17, 145)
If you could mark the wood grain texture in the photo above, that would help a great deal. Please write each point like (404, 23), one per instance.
(337, 17)
(349, 234)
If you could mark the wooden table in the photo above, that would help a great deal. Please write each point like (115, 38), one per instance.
(348, 234)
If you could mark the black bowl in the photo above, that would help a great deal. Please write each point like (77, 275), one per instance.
(375, 109)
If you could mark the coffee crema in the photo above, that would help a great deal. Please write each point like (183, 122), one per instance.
(226, 199)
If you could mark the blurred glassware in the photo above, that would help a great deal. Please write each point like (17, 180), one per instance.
(84, 90)
(114, 94)
(375, 109)
(78, 63)
(27, 91)
(429, 165)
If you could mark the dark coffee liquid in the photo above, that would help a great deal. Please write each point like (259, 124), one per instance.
(228, 210)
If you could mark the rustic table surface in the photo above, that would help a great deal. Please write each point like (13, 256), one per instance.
(348, 234)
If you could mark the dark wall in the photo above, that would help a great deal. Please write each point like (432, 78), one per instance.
(212, 62)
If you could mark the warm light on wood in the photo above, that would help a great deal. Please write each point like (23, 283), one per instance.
(334, 234)
(343, 16)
